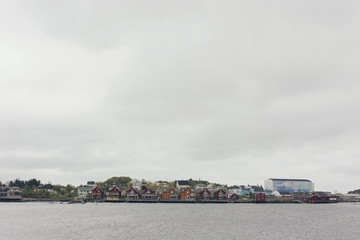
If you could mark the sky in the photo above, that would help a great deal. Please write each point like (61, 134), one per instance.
(233, 92)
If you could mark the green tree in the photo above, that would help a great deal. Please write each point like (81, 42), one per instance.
(152, 185)
(33, 183)
(18, 183)
(27, 192)
(118, 181)
(194, 183)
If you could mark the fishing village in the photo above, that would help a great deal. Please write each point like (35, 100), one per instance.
(125, 189)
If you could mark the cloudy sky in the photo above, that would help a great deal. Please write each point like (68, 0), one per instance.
(232, 92)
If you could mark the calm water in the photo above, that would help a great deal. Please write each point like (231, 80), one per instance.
(179, 221)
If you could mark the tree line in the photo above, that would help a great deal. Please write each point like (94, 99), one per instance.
(29, 189)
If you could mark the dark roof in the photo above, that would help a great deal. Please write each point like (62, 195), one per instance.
(161, 181)
(46, 186)
(305, 195)
(321, 194)
(149, 190)
(258, 188)
(133, 189)
(289, 179)
(297, 195)
(284, 192)
(183, 182)
(91, 182)
(114, 189)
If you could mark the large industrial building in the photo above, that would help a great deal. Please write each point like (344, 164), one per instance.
(289, 185)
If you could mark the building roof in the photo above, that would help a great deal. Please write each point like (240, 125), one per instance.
(321, 194)
(148, 191)
(112, 189)
(133, 189)
(305, 195)
(257, 188)
(284, 192)
(97, 188)
(297, 195)
(46, 186)
(290, 180)
(85, 188)
(183, 182)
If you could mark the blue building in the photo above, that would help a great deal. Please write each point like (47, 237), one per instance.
(289, 185)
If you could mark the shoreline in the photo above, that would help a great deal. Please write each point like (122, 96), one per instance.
(68, 201)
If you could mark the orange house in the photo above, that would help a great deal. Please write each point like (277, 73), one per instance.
(165, 194)
(169, 194)
(187, 194)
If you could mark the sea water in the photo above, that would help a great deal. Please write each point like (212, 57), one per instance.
(44, 220)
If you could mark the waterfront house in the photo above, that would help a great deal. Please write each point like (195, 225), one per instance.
(9, 193)
(192, 194)
(84, 191)
(133, 194)
(97, 193)
(335, 198)
(148, 194)
(220, 194)
(233, 197)
(205, 194)
(285, 194)
(174, 194)
(315, 197)
(165, 193)
(296, 195)
(169, 194)
(114, 194)
(260, 197)
(187, 194)
(351, 197)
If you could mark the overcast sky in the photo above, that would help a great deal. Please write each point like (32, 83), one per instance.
(233, 92)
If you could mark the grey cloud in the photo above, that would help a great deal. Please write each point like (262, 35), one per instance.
(234, 92)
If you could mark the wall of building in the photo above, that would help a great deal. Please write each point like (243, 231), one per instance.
(289, 185)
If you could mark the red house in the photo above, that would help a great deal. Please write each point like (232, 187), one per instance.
(220, 195)
(315, 197)
(205, 194)
(233, 197)
(97, 193)
(114, 194)
(260, 198)
(133, 194)
(148, 194)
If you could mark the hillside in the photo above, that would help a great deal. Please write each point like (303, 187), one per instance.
(354, 192)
